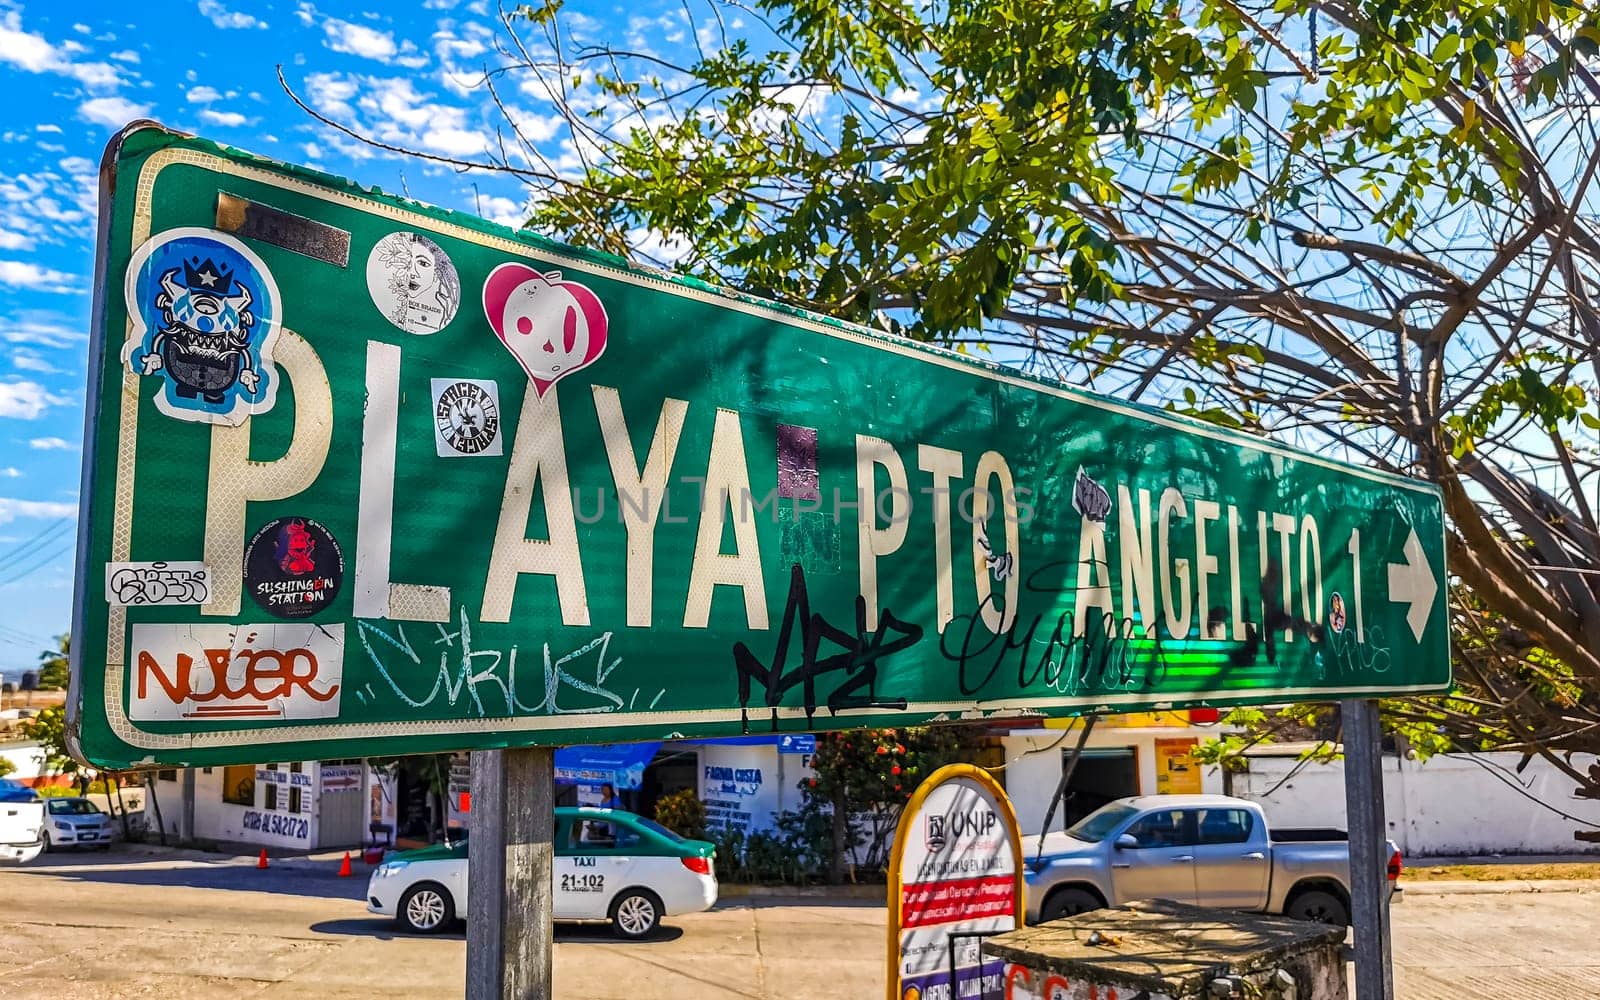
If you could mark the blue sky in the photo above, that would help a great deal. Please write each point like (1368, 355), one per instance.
(74, 73)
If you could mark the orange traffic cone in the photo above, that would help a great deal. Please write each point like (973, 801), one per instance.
(344, 869)
(261, 862)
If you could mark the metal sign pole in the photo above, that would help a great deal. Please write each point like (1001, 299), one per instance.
(510, 859)
(1369, 891)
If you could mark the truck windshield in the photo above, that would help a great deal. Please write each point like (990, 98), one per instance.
(1098, 825)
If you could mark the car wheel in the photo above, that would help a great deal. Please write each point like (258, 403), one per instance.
(1319, 906)
(426, 908)
(47, 843)
(636, 914)
(1068, 903)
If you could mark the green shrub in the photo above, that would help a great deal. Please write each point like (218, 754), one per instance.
(683, 813)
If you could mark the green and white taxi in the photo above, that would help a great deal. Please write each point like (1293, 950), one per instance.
(609, 865)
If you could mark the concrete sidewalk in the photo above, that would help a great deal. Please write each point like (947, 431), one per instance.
(1470, 887)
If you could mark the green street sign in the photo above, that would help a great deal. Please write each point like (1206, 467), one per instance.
(367, 477)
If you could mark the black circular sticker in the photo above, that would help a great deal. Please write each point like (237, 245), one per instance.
(293, 567)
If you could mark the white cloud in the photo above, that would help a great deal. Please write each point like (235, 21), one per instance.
(10, 472)
(25, 399)
(22, 274)
(222, 17)
(359, 40)
(29, 362)
(32, 53)
(393, 110)
(112, 111)
(535, 128)
(330, 94)
(126, 55)
(455, 141)
(462, 82)
(203, 94)
(502, 210)
(15, 241)
(227, 119)
(48, 128)
(52, 444)
(312, 150)
(42, 329)
(450, 45)
(652, 246)
(11, 509)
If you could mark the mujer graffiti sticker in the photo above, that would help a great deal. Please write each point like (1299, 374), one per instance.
(205, 312)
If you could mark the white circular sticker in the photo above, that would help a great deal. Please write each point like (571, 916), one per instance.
(413, 283)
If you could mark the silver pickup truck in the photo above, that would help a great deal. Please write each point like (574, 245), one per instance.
(1210, 850)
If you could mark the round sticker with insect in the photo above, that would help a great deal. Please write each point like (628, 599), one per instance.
(1336, 614)
(293, 567)
(205, 313)
(466, 417)
(413, 283)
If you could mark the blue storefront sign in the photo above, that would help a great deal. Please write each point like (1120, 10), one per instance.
(620, 765)
(797, 743)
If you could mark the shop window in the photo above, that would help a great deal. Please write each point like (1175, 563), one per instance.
(270, 803)
(239, 784)
(294, 767)
(294, 800)
(166, 775)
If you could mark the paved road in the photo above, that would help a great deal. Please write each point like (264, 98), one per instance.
(124, 926)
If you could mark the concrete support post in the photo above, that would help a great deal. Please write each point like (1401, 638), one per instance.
(186, 817)
(1369, 854)
(510, 859)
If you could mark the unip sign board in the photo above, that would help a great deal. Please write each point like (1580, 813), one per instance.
(955, 877)
(363, 476)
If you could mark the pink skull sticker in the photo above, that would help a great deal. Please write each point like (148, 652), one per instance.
(552, 327)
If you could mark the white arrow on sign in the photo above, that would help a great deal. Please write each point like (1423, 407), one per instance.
(1412, 582)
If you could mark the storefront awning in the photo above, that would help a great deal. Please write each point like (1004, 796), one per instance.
(621, 765)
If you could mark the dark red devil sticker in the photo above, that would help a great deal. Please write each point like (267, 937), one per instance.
(293, 567)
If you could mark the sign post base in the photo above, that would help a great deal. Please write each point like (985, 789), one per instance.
(1369, 895)
(510, 858)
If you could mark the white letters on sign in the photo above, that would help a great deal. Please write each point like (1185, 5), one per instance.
(282, 670)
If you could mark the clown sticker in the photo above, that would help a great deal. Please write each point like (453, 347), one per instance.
(205, 315)
(552, 326)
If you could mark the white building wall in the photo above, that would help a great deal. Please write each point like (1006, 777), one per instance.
(1450, 805)
(1034, 760)
(27, 758)
(217, 820)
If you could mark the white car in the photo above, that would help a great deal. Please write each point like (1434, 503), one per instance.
(609, 865)
(21, 822)
(75, 822)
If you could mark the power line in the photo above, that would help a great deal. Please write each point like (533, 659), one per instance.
(9, 634)
(37, 565)
(47, 534)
